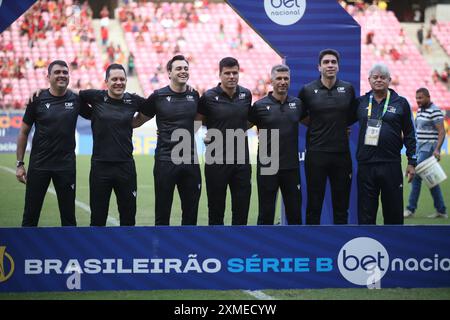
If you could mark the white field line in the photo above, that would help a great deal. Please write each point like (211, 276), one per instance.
(259, 295)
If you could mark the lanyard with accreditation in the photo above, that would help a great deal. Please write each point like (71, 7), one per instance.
(374, 125)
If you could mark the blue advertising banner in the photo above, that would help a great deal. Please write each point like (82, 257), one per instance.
(10, 10)
(298, 30)
(10, 123)
(263, 257)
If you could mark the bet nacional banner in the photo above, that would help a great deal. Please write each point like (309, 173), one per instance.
(246, 257)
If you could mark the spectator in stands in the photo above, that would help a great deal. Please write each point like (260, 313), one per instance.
(435, 76)
(382, 5)
(445, 73)
(369, 37)
(135, 27)
(395, 54)
(9, 46)
(239, 31)
(249, 45)
(417, 13)
(59, 42)
(110, 52)
(420, 36)
(176, 49)
(140, 38)
(104, 34)
(104, 13)
(131, 64)
(119, 55)
(17, 104)
(74, 63)
(428, 42)
(8, 89)
(430, 137)
(28, 63)
(104, 16)
(154, 79)
(401, 37)
(221, 29)
(433, 20)
(2, 104)
(40, 63)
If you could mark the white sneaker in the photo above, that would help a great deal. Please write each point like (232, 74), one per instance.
(438, 215)
(408, 214)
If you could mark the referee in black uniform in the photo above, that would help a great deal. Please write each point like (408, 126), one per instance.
(278, 112)
(54, 114)
(328, 104)
(175, 108)
(112, 163)
(386, 124)
(224, 109)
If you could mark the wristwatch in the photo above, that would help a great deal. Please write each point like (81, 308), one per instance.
(19, 163)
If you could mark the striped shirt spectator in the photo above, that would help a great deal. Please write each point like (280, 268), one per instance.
(426, 120)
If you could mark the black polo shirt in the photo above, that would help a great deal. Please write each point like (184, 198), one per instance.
(111, 123)
(269, 113)
(55, 120)
(329, 111)
(223, 112)
(397, 129)
(173, 111)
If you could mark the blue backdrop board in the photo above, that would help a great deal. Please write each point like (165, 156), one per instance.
(257, 257)
(10, 10)
(298, 30)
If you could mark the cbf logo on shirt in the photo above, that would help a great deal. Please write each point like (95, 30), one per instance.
(285, 12)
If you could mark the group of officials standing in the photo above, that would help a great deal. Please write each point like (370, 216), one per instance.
(327, 106)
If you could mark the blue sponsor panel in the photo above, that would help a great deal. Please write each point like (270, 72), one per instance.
(10, 123)
(263, 257)
(10, 10)
(298, 30)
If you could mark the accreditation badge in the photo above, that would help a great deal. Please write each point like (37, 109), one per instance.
(372, 132)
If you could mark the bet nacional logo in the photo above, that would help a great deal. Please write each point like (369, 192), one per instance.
(285, 12)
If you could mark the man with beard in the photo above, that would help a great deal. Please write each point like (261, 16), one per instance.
(54, 114)
(430, 137)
